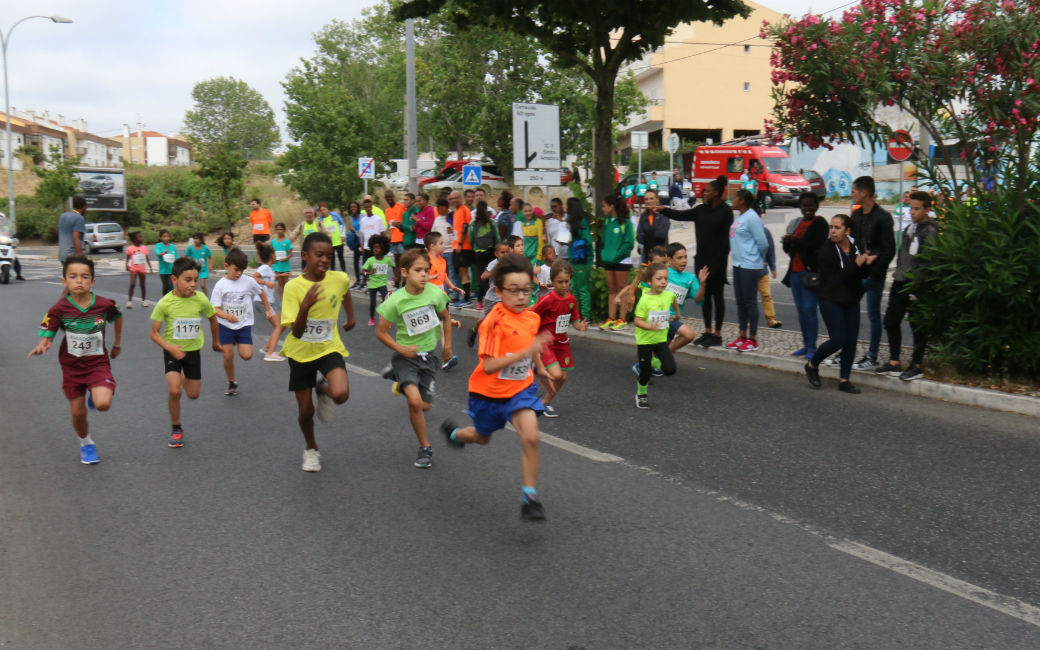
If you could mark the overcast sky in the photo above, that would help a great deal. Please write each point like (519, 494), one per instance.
(124, 61)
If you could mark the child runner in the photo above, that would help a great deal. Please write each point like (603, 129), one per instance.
(199, 251)
(502, 388)
(265, 277)
(166, 254)
(139, 265)
(684, 285)
(82, 355)
(377, 270)
(420, 313)
(283, 250)
(558, 309)
(439, 276)
(543, 276)
(182, 311)
(626, 298)
(232, 297)
(655, 309)
(513, 243)
(310, 308)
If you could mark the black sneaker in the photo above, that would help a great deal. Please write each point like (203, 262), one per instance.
(232, 389)
(446, 428)
(714, 341)
(425, 459)
(550, 412)
(814, 375)
(701, 339)
(911, 374)
(388, 373)
(532, 511)
(642, 402)
(176, 439)
(847, 387)
(889, 369)
(471, 337)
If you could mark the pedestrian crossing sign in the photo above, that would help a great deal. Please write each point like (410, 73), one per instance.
(471, 175)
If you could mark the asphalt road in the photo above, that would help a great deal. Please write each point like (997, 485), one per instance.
(743, 510)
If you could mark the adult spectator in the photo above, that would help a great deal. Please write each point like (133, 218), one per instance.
(761, 177)
(304, 228)
(424, 218)
(484, 232)
(575, 177)
(873, 232)
(749, 244)
(368, 206)
(506, 216)
(353, 239)
(71, 229)
(394, 212)
(580, 252)
(653, 228)
(804, 237)
(261, 221)
(917, 237)
(618, 242)
(408, 220)
(469, 199)
(371, 224)
(711, 220)
(554, 223)
(462, 249)
(675, 190)
(332, 225)
(842, 268)
(764, 290)
(480, 195)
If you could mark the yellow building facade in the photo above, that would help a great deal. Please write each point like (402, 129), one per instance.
(707, 82)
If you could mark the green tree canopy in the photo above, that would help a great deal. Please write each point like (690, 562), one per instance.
(230, 113)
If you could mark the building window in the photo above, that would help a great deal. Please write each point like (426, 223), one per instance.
(747, 49)
(747, 86)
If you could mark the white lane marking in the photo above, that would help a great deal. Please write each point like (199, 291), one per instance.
(1004, 604)
(364, 372)
(1007, 605)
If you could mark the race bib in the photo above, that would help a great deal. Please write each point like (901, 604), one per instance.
(562, 323)
(318, 330)
(516, 371)
(258, 227)
(680, 292)
(379, 269)
(280, 254)
(85, 345)
(186, 329)
(418, 321)
(238, 310)
(658, 317)
(139, 259)
(331, 228)
(168, 258)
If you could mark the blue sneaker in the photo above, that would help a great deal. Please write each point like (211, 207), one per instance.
(90, 401)
(800, 352)
(635, 369)
(88, 455)
(657, 372)
(450, 363)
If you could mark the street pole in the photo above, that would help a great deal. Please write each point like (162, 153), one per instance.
(4, 40)
(412, 144)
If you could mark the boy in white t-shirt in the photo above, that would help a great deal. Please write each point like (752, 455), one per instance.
(233, 295)
(266, 277)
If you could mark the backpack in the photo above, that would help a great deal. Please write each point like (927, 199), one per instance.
(579, 251)
(485, 238)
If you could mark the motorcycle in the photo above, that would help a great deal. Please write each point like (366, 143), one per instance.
(8, 244)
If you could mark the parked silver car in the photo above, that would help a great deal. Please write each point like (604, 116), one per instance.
(106, 234)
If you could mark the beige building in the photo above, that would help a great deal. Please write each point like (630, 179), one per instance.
(154, 149)
(707, 82)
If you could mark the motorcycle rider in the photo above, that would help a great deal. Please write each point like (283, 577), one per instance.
(5, 230)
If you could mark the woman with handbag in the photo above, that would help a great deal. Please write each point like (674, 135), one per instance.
(842, 268)
(804, 237)
(579, 252)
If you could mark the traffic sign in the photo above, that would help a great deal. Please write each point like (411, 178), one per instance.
(366, 168)
(673, 143)
(900, 145)
(536, 136)
(471, 174)
(523, 177)
(640, 139)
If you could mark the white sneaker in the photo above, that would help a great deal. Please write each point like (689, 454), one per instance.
(147, 303)
(325, 405)
(274, 356)
(311, 460)
(129, 304)
(833, 361)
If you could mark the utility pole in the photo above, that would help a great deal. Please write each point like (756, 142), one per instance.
(412, 144)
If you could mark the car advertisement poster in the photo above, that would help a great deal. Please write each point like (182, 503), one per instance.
(104, 189)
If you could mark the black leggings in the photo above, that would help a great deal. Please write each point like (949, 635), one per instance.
(357, 264)
(372, 293)
(480, 261)
(167, 282)
(646, 354)
(338, 251)
(714, 296)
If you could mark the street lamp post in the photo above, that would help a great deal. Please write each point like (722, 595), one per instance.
(4, 40)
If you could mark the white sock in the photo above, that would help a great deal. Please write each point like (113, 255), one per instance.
(83, 442)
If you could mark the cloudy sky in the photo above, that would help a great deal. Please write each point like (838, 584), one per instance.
(128, 61)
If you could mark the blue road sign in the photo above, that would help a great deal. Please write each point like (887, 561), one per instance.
(471, 175)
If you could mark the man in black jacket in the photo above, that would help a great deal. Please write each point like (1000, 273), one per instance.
(653, 228)
(873, 230)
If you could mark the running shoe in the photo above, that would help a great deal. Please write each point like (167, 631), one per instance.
(176, 439)
(90, 401)
(450, 363)
(642, 402)
(471, 337)
(776, 325)
(911, 374)
(866, 363)
(814, 375)
(325, 404)
(147, 303)
(388, 372)
(550, 412)
(232, 389)
(480, 305)
(736, 343)
(395, 388)
(88, 455)
(607, 324)
(890, 369)
(532, 511)
(311, 460)
(129, 304)
(702, 339)
(656, 372)
(371, 322)
(273, 356)
(716, 340)
(462, 302)
(847, 387)
(619, 326)
(800, 352)
(749, 345)
(425, 458)
(635, 369)
(833, 361)
(447, 427)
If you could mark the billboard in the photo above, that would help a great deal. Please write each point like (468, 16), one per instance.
(104, 189)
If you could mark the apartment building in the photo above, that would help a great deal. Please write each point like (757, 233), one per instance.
(154, 149)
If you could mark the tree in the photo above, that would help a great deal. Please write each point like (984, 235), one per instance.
(221, 171)
(58, 180)
(231, 115)
(595, 38)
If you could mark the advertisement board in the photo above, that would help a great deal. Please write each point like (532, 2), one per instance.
(104, 189)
